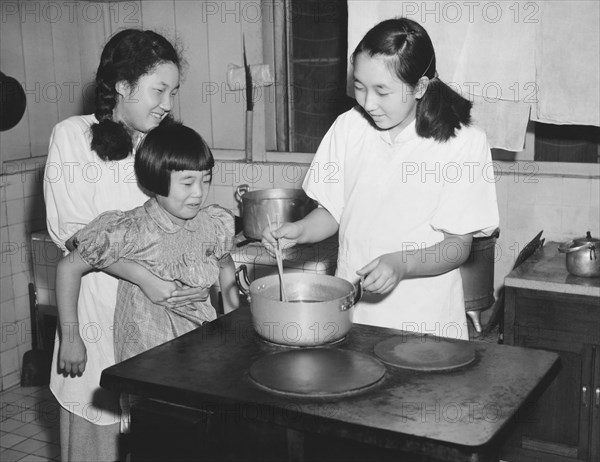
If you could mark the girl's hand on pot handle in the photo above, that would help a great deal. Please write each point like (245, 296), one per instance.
(184, 295)
(384, 273)
(72, 355)
(287, 233)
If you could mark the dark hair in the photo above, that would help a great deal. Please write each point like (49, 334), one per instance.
(441, 111)
(170, 148)
(127, 56)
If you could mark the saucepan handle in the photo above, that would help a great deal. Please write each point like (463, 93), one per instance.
(240, 191)
(566, 247)
(243, 282)
(358, 293)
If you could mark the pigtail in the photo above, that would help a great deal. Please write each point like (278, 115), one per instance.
(110, 139)
(441, 112)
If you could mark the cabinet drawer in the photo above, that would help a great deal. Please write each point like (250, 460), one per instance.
(567, 313)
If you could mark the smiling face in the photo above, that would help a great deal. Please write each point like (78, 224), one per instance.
(143, 107)
(391, 103)
(187, 194)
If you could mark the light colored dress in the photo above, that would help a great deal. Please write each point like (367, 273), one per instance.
(79, 186)
(189, 254)
(392, 195)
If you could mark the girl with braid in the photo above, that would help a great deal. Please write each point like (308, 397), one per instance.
(406, 180)
(89, 171)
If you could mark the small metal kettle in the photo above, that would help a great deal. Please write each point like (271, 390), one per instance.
(582, 256)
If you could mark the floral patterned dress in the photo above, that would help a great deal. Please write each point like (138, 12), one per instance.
(188, 254)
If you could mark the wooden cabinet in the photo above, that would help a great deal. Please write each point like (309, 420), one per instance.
(548, 308)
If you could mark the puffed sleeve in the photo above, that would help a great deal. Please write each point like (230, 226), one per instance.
(324, 181)
(66, 192)
(106, 239)
(468, 201)
(223, 224)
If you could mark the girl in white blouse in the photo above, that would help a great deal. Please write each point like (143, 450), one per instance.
(407, 182)
(89, 171)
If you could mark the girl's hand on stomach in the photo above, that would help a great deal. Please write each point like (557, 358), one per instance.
(184, 295)
(159, 291)
(383, 274)
(287, 233)
(72, 355)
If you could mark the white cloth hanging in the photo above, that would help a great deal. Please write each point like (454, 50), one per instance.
(512, 59)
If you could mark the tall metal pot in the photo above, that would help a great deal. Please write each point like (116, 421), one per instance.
(319, 310)
(287, 205)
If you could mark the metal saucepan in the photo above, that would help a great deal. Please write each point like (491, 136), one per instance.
(285, 205)
(319, 309)
(582, 256)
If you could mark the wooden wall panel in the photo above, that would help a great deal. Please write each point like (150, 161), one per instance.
(193, 32)
(67, 66)
(14, 143)
(125, 15)
(160, 17)
(92, 34)
(225, 47)
(39, 73)
(55, 47)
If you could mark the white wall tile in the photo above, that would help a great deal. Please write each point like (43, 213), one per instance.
(576, 221)
(15, 210)
(9, 335)
(9, 360)
(6, 292)
(223, 196)
(548, 191)
(575, 191)
(521, 190)
(595, 192)
(13, 188)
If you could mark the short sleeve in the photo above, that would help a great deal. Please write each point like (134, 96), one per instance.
(106, 239)
(223, 225)
(324, 181)
(468, 201)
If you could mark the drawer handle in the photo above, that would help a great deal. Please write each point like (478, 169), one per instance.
(584, 397)
(597, 398)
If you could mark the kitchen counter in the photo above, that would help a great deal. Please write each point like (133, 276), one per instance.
(454, 415)
(546, 270)
(547, 307)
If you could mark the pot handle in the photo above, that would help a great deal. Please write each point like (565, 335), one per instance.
(240, 191)
(243, 286)
(565, 247)
(358, 293)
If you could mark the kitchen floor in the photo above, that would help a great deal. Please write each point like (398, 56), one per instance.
(29, 425)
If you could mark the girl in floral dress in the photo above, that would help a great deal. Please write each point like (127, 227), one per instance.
(172, 235)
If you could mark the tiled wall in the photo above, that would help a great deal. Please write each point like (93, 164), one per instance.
(563, 207)
(21, 212)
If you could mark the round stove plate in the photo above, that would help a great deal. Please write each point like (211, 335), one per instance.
(316, 371)
(425, 353)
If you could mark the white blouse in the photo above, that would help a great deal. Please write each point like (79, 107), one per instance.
(402, 194)
(79, 186)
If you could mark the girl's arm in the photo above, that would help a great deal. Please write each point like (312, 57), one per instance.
(158, 291)
(314, 227)
(384, 273)
(72, 355)
(229, 288)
